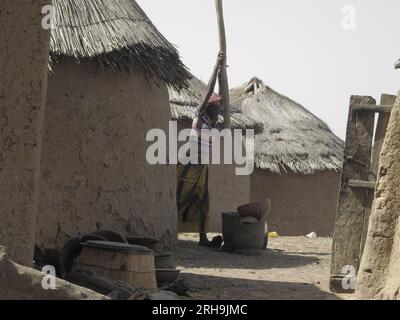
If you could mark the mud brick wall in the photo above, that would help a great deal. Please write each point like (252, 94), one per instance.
(94, 169)
(24, 47)
(300, 203)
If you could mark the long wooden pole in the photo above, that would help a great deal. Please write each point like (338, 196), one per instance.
(224, 85)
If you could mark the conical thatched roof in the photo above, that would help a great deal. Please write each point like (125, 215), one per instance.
(293, 139)
(184, 102)
(116, 33)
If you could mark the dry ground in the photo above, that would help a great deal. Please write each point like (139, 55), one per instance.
(292, 268)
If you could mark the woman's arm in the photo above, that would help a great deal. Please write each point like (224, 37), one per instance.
(201, 108)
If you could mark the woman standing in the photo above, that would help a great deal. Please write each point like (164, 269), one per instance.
(192, 193)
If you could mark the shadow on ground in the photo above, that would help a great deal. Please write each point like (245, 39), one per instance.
(222, 288)
(190, 255)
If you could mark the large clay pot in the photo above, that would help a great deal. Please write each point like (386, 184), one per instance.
(228, 223)
(249, 236)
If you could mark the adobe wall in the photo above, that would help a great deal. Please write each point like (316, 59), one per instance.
(300, 203)
(379, 272)
(24, 48)
(94, 170)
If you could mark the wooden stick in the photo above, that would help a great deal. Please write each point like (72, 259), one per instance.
(362, 184)
(224, 85)
(373, 108)
(354, 199)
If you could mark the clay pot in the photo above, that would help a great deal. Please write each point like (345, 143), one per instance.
(228, 222)
(164, 261)
(258, 210)
(249, 236)
(166, 276)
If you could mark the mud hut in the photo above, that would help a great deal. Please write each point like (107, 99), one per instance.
(298, 161)
(227, 190)
(108, 86)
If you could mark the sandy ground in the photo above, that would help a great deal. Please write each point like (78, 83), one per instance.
(291, 268)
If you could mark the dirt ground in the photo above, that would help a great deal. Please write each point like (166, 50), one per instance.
(291, 268)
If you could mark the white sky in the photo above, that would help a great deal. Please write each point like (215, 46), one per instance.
(297, 47)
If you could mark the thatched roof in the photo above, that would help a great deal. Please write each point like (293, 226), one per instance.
(293, 139)
(397, 64)
(184, 102)
(117, 34)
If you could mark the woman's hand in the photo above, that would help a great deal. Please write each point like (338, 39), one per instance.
(201, 108)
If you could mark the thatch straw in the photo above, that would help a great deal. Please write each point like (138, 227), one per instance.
(293, 139)
(117, 34)
(184, 102)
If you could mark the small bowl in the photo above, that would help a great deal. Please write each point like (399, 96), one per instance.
(164, 261)
(166, 276)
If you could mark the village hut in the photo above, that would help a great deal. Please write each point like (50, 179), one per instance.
(227, 190)
(110, 69)
(298, 161)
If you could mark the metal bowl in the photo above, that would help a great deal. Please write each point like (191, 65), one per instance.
(166, 276)
(164, 261)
